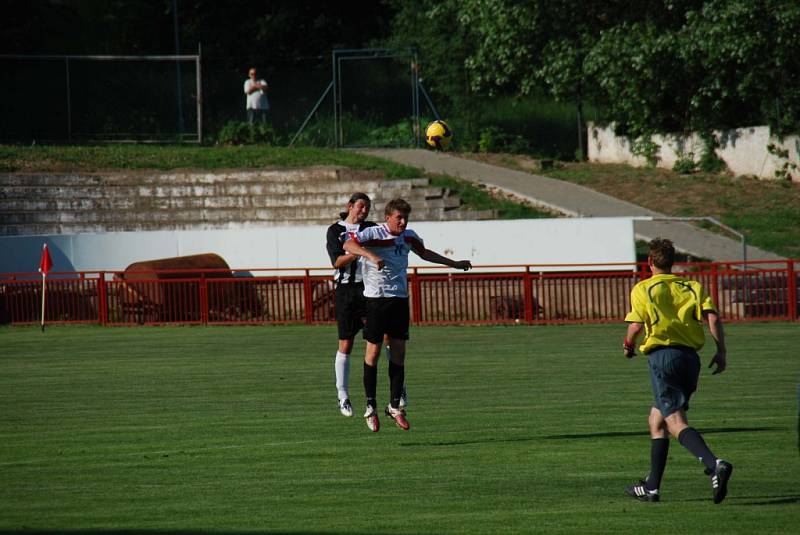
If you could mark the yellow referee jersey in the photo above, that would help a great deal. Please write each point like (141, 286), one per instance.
(670, 307)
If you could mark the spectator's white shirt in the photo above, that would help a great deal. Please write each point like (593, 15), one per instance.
(392, 280)
(257, 100)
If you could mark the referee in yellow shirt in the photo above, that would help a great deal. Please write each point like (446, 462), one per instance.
(671, 311)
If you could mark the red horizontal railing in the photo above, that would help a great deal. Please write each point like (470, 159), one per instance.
(541, 294)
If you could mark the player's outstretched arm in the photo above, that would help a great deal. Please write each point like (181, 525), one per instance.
(436, 258)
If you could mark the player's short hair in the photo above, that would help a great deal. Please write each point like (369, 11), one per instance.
(662, 253)
(399, 205)
(357, 196)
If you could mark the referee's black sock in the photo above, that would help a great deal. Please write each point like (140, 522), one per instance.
(371, 384)
(659, 448)
(693, 441)
(397, 376)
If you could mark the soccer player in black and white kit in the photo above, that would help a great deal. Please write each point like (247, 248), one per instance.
(349, 292)
(385, 249)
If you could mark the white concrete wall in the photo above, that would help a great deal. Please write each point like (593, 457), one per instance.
(744, 150)
(527, 241)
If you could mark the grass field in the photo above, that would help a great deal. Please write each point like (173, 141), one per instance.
(514, 430)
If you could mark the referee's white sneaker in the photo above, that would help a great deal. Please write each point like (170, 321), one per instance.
(345, 408)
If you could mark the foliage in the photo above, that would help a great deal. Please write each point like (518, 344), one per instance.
(480, 199)
(666, 66)
(685, 164)
(709, 161)
(494, 139)
(240, 133)
(787, 169)
(648, 149)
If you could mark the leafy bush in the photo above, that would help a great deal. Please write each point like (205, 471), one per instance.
(648, 149)
(494, 139)
(240, 133)
(685, 165)
(709, 161)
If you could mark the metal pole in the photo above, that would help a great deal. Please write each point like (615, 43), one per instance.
(199, 94)
(313, 111)
(177, 67)
(335, 100)
(69, 103)
(428, 98)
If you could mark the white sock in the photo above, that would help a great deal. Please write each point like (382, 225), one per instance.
(342, 367)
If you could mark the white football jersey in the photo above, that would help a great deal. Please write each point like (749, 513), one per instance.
(392, 280)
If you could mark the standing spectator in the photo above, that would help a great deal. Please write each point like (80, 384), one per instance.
(257, 103)
(671, 310)
(385, 248)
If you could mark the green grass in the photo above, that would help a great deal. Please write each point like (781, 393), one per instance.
(34, 159)
(514, 430)
(479, 199)
(766, 211)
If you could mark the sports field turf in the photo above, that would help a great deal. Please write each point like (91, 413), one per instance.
(513, 430)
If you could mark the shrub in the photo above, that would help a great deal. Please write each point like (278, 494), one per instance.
(709, 161)
(240, 133)
(685, 165)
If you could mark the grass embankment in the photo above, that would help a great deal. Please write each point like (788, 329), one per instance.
(766, 211)
(513, 430)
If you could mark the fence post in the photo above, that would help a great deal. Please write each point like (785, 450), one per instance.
(203, 299)
(102, 299)
(416, 297)
(307, 297)
(528, 288)
(791, 300)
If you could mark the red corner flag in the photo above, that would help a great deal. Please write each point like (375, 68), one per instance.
(46, 262)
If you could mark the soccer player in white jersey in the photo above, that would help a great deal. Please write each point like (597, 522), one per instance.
(385, 248)
(349, 303)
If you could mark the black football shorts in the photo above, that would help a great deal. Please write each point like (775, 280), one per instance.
(386, 315)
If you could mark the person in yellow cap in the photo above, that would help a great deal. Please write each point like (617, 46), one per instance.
(671, 310)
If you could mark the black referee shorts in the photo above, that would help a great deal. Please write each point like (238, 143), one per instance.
(350, 307)
(386, 315)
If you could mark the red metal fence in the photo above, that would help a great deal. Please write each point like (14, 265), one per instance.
(759, 290)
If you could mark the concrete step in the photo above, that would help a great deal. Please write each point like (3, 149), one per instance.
(174, 213)
(294, 178)
(344, 189)
(75, 227)
(428, 197)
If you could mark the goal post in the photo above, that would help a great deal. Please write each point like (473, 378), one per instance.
(126, 98)
(375, 85)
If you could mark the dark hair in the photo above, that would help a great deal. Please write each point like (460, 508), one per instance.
(399, 205)
(357, 196)
(662, 253)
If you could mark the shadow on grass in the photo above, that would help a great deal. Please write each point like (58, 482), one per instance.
(614, 434)
(709, 431)
(767, 500)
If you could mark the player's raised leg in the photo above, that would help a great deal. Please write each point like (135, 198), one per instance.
(396, 379)
(371, 356)
(342, 372)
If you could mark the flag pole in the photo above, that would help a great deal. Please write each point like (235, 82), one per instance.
(44, 290)
(44, 268)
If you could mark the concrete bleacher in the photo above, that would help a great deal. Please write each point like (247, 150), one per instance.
(32, 204)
